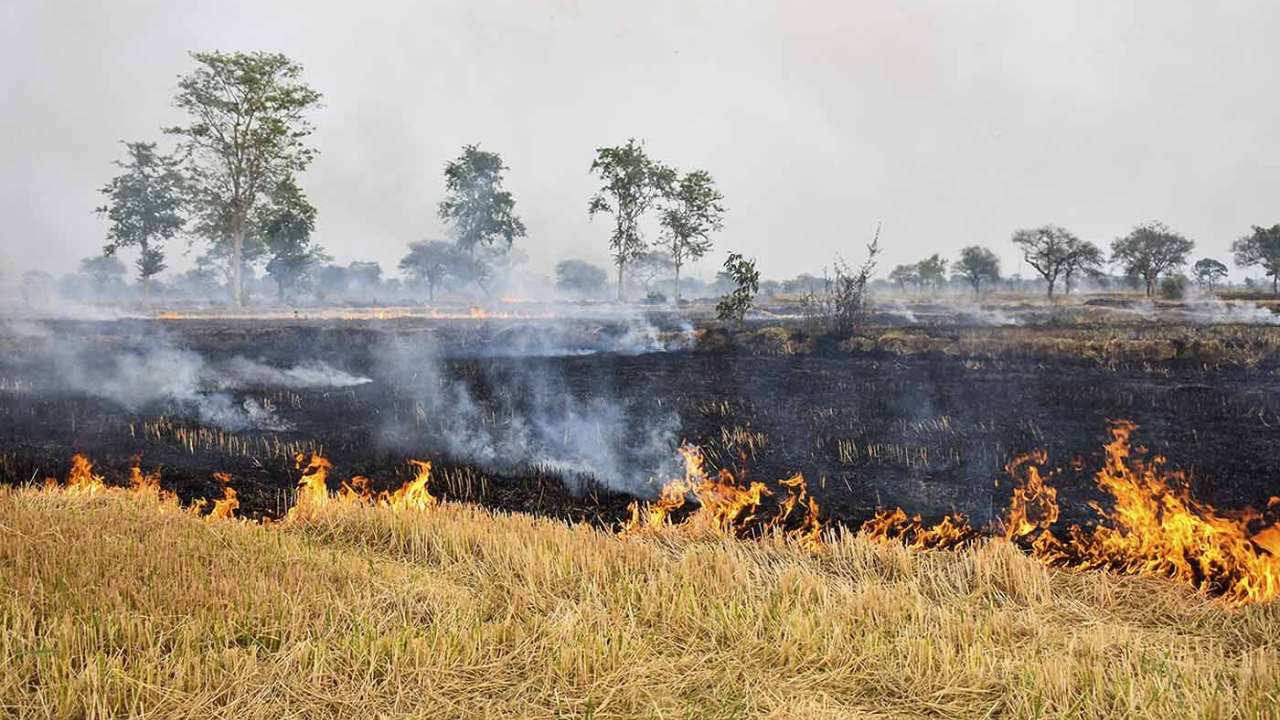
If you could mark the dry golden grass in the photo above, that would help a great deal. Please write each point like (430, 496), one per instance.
(116, 605)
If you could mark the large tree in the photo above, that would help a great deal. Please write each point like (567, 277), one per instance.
(433, 263)
(1087, 260)
(977, 265)
(1052, 251)
(145, 206)
(1262, 248)
(691, 212)
(247, 132)
(650, 266)
(287, 221)
(632, 183)
(481, 212)
(1149, 251)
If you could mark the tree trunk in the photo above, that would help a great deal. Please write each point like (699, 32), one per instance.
(431, 292)
(1051, 282)
(620, 266)
(146, 290)
(677, 292)
(237, 247)
(1274, 279)
(1151, 286)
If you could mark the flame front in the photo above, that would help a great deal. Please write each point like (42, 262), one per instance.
(81, 480)
(226, 507)
(413, 495)
(1154, 527)
(726, 505)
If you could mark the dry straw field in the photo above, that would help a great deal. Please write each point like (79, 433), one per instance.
(122, 603)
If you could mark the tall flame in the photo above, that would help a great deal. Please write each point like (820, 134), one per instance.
(81, 480)
(1153, 526)
(413, 495)
(226, 507)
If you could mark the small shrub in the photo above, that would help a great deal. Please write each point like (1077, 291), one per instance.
(1173, 287)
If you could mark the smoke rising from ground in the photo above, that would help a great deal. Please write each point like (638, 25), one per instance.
(148, 368)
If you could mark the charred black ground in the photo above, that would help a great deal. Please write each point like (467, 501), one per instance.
(927, 431)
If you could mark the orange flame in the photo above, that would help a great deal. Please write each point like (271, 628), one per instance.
(1154, 526)
(726, 505)
(226, 507)
(81, 480)
(413, 495)
(311, 486)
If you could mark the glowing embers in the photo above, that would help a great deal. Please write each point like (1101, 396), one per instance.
(726, 505)
(1151, 526)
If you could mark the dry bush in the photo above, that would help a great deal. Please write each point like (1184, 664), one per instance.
(118, 606)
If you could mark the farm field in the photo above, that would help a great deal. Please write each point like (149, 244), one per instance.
(359, 508)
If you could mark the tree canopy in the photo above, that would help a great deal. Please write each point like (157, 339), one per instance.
(1149, 251)
(632, 183)
(434, 263)
(977, 265)
(479, 209)
(247, 132)
(1053, 251)
(287, 221)
(1262, 248)
(145, 206)
(1208, 272)
(580, 277)
(692, 211)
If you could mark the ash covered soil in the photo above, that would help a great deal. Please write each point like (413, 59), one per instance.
(572, 420)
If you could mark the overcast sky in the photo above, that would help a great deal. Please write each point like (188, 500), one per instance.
(953, 122)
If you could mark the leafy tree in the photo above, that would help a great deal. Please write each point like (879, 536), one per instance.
(803, 283)
(649, 266)
(932, 270)
(978, 265)
(248, 130)
(632, 184)
(733, 306)
(145, 206)
(1052, 251)
(1086, 260)
(1150, 250)
(102, 269)
(477, 207)
(365, 274)
(1262, 248)
(580, 277)
(287, 222)
(1208, 272)
(905, 275)
(433, 262)
(691, 213)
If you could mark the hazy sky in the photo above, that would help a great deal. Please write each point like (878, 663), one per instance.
(953, 122)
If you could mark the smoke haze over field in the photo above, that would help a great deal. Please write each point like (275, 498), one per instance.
(953, 122)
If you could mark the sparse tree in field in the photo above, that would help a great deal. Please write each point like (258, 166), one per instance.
(365, 274)
(247, 132)
(633, 182)
(649, 266)
(1051, 250)
(692, 211)
(102, 269)
(287, 221)
(1208, 272)
(803, 283)
(978, 265)
(1087, 260)
(733, 306)
(433, 262)
(145, 207)
(480, 211)
(1149, 251)
(933, 271)
(904, 275)
(1262, 248)
(580, 278)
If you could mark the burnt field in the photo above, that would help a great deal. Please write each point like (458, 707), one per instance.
(573, 419)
